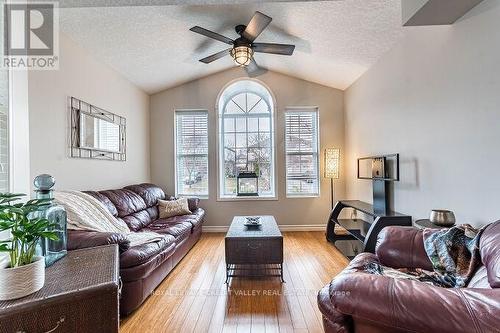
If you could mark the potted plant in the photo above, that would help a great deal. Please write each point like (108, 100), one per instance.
(25, 271)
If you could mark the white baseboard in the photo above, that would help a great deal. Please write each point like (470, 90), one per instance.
(303, 227)
(214, 228)
(284, 227)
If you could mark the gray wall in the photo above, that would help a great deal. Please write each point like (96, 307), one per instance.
(82, 76)
(434, 98)
(202, 94)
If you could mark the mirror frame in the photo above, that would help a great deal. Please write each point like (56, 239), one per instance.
(77, 108)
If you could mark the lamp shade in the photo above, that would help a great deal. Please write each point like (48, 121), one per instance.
(332, 163)
(242, 55)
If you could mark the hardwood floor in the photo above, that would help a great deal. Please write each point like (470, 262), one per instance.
(194, 298)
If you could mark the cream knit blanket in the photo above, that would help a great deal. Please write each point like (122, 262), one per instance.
(85, 212)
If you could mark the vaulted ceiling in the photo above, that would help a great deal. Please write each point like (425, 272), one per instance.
(115, 3)
(151, 45)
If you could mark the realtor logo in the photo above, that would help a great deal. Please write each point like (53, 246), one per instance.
(31, 35)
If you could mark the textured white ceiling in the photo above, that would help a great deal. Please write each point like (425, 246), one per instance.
(337, 41)
(108, 3)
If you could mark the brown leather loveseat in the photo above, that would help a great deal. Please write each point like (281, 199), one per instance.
(143, 267)
(358, 302)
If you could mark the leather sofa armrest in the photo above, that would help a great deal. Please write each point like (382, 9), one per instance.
(402, 247)
(333, 321)
(414, 306)
(490, 252)
(193, 203)
(79, 239)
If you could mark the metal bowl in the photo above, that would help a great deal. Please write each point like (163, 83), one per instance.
(442, 217)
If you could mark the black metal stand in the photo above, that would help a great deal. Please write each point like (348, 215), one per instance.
(381, 200)
(360, 230)
(332, 187)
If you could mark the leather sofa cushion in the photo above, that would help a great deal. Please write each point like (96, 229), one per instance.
(195, 218)
(153, 213)
(125, 201)
(150, 193)
(137, 221)
(144, 270)
(489, 246)
(402, 247)
(180, 230)
(104, 200)
(140, 254)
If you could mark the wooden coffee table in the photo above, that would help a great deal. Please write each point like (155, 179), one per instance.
(254, 249)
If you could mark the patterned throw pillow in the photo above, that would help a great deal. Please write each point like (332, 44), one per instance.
(169, 208)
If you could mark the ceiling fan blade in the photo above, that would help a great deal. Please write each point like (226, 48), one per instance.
(254, 70)
(215, 56)
(211, 34)
(283, 49)
(256, 25)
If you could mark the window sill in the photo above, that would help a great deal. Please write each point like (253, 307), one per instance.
(201, 197)
(256, 198)
(306, 196)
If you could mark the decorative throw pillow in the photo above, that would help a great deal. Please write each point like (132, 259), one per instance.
(169, 208)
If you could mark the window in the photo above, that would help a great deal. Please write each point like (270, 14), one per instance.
(191, 151)
(246, 137)
(4, 131)
(4, 120)
(301, 149)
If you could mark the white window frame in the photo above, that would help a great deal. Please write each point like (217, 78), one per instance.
(8, 166)
(220, 144)
(193, 112)
(302, 110)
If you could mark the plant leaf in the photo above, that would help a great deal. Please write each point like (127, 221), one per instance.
(50, 235)
(4, 248)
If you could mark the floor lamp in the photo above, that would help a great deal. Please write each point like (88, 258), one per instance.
(332, 165)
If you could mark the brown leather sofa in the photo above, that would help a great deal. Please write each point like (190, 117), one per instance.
(360, 302)
(143, 267)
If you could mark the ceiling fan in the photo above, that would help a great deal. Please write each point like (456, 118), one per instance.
(243, 48)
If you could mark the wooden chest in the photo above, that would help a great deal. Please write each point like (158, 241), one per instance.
(80, 295)
(254, 251)
(250, 246)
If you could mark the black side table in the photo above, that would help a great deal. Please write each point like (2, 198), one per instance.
(426, 223)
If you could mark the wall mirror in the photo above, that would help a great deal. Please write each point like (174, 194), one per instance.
(96, 133)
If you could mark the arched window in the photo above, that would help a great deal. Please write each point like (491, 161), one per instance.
(246, 137)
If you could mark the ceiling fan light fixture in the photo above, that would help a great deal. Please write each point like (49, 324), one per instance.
(242, 55)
